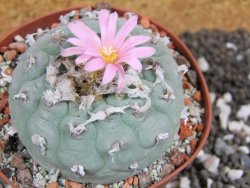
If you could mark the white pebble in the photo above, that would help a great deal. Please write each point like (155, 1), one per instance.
(19, 38)
(203, 64)
(2, 83)
(194, 110)
(227, 97)
(247, 139)
(40, 31)
(244, 112)
(39, 182)
(244, 149)
(212, 97)
(182, 149)
(99, 186)
(239, 57)
(220, 103)
(228, 137)
(212, 164)
(188, 149)
(209, 182)
(202, 156)
(231, 45)
(185, 182)
(158, 168)
(173, 184)
(246, 129)
(225, 111)
(223, 117)
(194, 120)
(39, 176)
(236, 126)
(145, 170)
(184, 113)
(234, 174)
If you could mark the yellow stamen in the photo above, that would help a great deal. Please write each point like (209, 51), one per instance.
(109, 54)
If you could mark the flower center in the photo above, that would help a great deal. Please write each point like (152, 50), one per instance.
(109, 54)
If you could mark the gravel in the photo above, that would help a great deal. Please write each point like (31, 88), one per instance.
(225, 61)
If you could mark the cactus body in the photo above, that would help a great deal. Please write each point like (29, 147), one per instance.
(108, 150)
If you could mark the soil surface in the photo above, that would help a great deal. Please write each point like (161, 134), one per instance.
(224, 58)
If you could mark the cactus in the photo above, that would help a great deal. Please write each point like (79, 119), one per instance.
(94, 135)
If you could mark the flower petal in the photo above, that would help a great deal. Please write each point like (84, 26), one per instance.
(82, 59)
(133, 41)
(109, 73)
(121, 80)
(141, 52)
(72, 51)
(94, 65)
(83, 32)
(92, 52)
(76, 42)
(87, 44)
(124, 31)
(135, 63)
(123, 58)
(103, 22)
(112, 28)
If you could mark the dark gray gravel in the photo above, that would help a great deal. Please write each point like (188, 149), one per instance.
(228, 56)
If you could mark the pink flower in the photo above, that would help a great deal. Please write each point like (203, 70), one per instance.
(111, 51)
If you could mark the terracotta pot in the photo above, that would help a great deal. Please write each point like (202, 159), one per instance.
(47, 20)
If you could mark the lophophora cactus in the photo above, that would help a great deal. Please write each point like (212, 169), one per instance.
(69, 121)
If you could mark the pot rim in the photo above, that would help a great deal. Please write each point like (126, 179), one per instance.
(32, 25)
